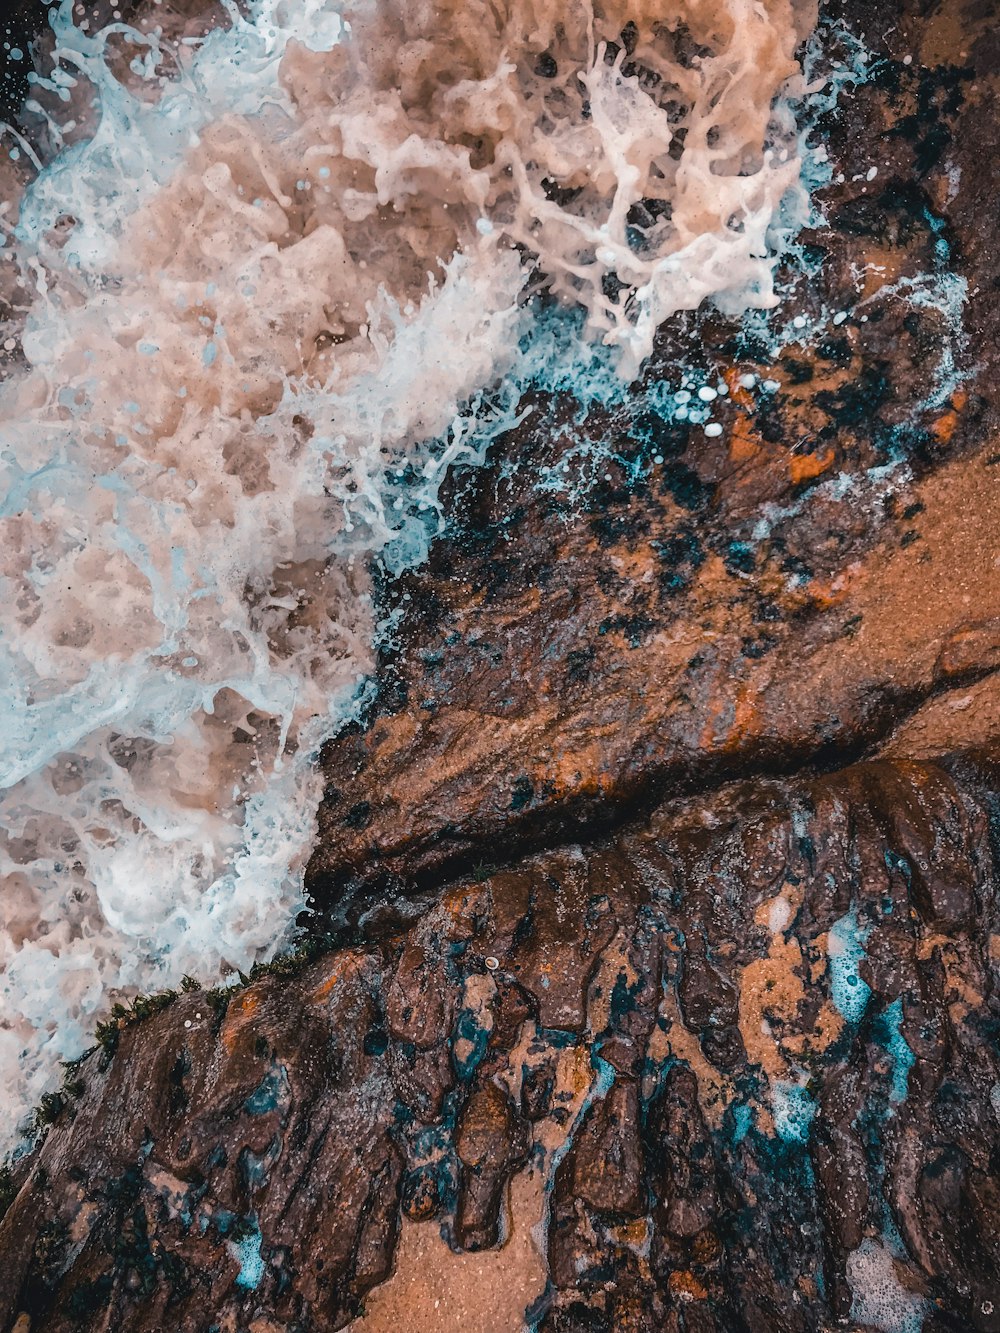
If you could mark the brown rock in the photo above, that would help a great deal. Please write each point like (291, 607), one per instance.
(606, 1159)
(273, 1175)
(490, 1142)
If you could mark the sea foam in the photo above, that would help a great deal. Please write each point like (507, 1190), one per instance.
(281, 284)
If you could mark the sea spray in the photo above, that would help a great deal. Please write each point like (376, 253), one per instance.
(279, 287)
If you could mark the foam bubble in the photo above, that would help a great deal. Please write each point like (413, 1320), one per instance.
(793, 1110)
(880, 1299)
(846, 948)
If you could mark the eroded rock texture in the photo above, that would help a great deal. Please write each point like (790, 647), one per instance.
(724, 1057)
(661, 888)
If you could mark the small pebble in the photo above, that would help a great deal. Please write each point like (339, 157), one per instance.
(492, 963)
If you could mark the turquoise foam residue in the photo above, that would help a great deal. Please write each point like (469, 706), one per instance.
(947, 293)
(742, 1120)
(247, 1252)
(272, 1094)
(846, 949)
(793, 1110)
(556, 358)
(902, 1056)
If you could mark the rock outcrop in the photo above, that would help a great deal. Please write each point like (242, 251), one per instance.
(625, 606)
(727, 1069)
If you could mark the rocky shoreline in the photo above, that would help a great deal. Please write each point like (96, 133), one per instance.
(653, 975)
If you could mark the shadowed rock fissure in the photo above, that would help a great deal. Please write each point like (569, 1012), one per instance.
(350, 909)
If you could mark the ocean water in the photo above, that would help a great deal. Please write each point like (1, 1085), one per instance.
(262, 289)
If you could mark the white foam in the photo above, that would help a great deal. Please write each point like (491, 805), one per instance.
(880, 1299)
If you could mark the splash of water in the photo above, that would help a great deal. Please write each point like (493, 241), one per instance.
(273, 293)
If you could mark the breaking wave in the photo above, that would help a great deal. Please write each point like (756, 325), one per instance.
(267, 285)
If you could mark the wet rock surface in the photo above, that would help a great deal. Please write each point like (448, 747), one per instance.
(625, 605)
(654, 984)
(773, 1056)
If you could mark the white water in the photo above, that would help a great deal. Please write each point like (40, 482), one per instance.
(262, 301)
